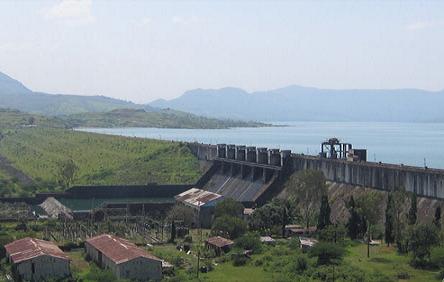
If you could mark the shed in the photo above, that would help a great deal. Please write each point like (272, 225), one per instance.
(123, 258)
(307, 243)
(55, 209)
(37, 260)
(219, 244)
(202, 203)
(267, 240)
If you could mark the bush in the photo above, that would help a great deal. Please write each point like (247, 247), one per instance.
(239, 259)
(258, 262)
(250, 241)
(403, 275)
(232, 227)
(69, 246)
(327, 253)
(333, 233)
(437, 257)
(188, 239)
(299, 265)
(422, 239)
(178, 261)
(440, 275)
(294, 243)
(99, 275)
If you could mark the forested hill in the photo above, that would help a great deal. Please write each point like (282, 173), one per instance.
(159, 119)
(118, 118)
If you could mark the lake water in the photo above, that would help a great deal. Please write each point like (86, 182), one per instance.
(406, 143)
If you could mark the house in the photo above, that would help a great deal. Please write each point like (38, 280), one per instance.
(202, 203)
(219, 244)
(307, 243)
(123, 258)
(295, 229)
(37, 260)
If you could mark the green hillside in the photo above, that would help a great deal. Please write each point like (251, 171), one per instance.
(160, 119)
(14, 118)
(100, 159)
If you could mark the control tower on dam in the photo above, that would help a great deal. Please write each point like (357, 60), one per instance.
(340, 163)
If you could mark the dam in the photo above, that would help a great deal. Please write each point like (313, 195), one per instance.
(267, 169)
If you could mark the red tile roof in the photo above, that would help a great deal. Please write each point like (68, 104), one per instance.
(117, 249)
(28, 248)
(219, 242)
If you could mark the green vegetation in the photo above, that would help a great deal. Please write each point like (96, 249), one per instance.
(100, 159)
(387, 261)
(158, 118)
(119, 118)
(14, 118)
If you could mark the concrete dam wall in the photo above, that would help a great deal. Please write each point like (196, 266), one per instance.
(425, 182)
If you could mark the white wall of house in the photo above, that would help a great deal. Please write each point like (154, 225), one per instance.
(138, 269)
(42, 268)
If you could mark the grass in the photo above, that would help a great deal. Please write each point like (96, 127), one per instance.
(101, 159)
(78, 263)
(385, 260)
(228, 272)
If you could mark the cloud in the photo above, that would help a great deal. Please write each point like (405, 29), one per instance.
(420, 25)
(75, 12)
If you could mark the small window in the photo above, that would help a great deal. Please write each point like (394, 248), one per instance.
(33, 268)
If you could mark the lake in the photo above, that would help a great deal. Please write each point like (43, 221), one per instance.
(406, 143)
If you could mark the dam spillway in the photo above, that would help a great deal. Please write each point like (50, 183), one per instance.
(423, 181)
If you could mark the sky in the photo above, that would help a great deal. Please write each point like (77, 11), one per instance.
(145, 50)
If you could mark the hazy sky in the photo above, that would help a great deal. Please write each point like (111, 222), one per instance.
(143, 50)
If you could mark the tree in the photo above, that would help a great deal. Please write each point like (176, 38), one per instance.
(389, 221)
(66, 173)
(333, 233)
(399, 198)
(228, 207)
(327, 253)
(173, 231)
(324, 213)
(279, 212)
(422, 239)
(229, 226)
(249, 241)
(307, 188)
(356, 226)
(181, 213)
(367, 206)
(437, 219)
(412, 210)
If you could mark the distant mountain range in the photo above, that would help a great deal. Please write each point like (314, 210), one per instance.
(292, 103)
(19, 106)
(296, 103)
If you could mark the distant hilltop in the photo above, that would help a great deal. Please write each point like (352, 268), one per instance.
(14, 95)
(297, 103)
